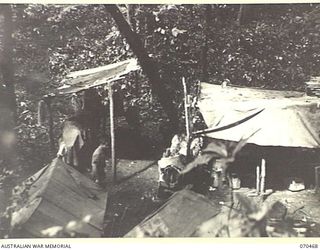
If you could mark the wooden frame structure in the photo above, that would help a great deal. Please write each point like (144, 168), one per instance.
(85, 79)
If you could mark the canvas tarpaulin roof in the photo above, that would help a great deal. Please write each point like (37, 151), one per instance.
(287, 118)
(85, 79)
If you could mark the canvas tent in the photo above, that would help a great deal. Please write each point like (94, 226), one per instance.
(170, 219)
(57, 195)
(279, 118)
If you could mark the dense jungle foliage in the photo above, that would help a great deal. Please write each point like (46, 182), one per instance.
(268, 46)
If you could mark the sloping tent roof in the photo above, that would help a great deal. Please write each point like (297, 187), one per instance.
(85, 79)
(178, 217)
(60, 194)
(287, 118)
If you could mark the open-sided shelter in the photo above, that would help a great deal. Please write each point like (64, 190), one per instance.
(105, 75)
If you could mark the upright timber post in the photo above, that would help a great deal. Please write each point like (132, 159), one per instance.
(186, 113)
(112, 133)
(50, 123)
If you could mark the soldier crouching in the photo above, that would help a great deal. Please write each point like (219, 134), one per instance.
(98, 164)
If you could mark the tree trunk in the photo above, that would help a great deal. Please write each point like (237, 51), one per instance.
(128, 6)
(204, 59)
(9, 159)
(8, 97)
(131, 12)
(147, 64)
(243, 14)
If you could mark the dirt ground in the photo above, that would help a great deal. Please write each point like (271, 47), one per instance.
(303, 207)
(130, 199)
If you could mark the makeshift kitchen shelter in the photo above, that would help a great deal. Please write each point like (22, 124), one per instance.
(273, 118)
(105, 75)
(57, 195)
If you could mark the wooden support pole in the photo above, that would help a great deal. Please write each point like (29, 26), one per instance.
(50, 123)
(258, 179)
(186, 112)
(263, 176)
(112, 133)
(104, 122)
(316, 183)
